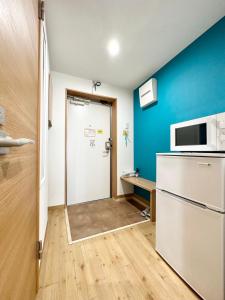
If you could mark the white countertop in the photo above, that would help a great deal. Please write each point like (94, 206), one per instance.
(198, 154)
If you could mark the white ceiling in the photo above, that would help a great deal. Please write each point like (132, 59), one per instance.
(150, 32)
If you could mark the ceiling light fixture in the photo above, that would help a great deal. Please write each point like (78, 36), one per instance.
(113, 47)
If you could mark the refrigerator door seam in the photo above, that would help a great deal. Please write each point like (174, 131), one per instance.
(203, 206)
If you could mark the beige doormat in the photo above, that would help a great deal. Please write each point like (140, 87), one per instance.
(93, 218)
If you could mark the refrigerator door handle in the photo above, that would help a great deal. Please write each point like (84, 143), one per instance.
(204, 164)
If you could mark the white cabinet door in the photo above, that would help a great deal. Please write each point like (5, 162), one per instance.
(200, 179)
(88, 164)
(191, 239)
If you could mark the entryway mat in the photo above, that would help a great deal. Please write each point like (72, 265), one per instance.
(97, 217)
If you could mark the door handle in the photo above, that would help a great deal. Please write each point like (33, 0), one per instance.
(204, 164)
(105, 153)
(108, 145)
(7, 142)
(10, 142)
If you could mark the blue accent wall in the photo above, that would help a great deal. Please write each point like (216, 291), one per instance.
(191, 85)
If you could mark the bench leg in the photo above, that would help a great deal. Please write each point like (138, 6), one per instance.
(152, 206)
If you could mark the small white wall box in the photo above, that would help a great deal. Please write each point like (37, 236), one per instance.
(148, 92)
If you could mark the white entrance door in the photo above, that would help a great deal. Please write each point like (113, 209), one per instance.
(88, 162)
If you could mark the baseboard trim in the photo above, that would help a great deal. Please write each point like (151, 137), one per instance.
(56, 206)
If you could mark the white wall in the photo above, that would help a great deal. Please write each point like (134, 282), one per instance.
(57, 132)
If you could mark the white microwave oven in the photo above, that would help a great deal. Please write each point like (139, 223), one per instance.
(201, 135)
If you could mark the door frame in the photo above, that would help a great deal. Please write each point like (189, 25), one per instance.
(38, 152)
(43, 102)
(113, 102)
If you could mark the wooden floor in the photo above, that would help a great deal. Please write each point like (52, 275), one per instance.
(119, 265)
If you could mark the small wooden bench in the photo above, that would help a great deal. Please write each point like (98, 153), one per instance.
(147, 185)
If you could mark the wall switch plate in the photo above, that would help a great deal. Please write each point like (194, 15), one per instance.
(2, 115)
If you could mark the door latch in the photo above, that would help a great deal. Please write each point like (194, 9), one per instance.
(108, 145)
(39, 249)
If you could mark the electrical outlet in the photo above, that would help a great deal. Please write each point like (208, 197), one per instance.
(2, 115)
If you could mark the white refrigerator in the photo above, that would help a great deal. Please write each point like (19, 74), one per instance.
(190, 226)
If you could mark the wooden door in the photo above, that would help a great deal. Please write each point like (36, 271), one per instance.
(19, 35)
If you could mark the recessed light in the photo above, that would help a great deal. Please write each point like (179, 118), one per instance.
(113, 47)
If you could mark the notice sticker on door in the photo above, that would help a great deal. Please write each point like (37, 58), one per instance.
(100, 131)
(92, 143)
(89, 132)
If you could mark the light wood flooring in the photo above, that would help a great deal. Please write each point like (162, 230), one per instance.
(118, 265)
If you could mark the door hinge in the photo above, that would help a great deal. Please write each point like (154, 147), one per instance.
(39, 249)
(41, 10)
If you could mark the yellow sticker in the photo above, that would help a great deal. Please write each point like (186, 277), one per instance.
(100, 131)
(125, 132)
